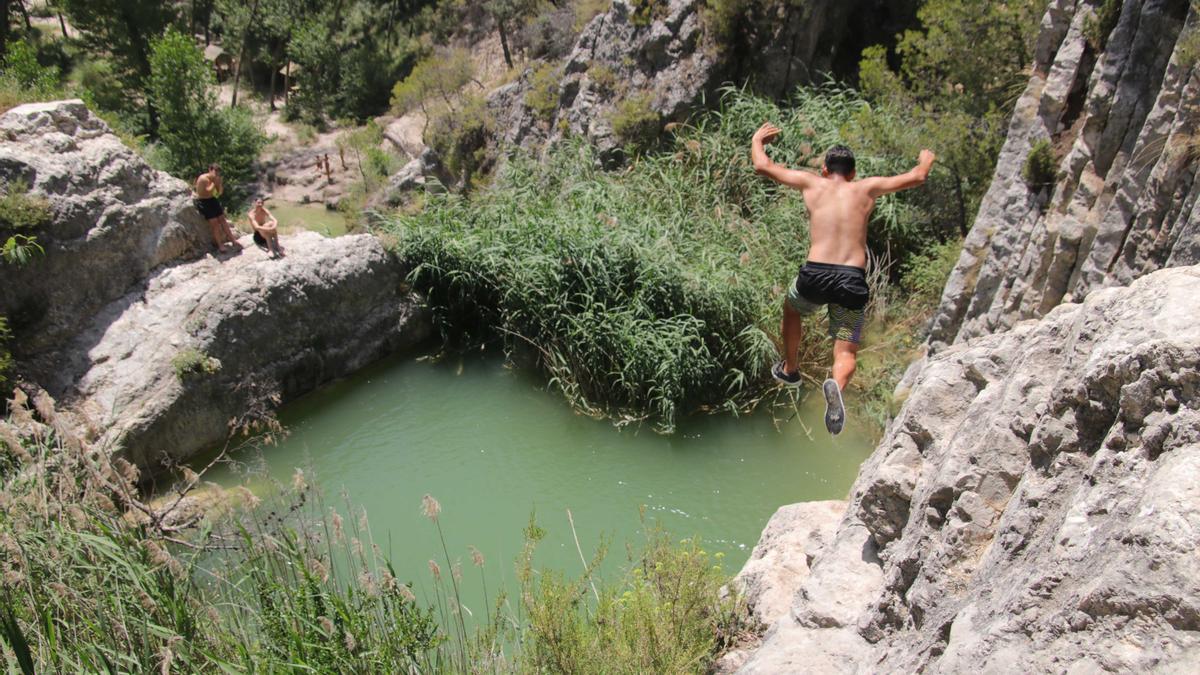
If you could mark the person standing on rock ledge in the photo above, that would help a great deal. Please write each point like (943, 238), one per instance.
(208, 190)
(835, 274)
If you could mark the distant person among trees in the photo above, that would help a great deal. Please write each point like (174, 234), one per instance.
(209, 187)
(835, 274)
(266, 229)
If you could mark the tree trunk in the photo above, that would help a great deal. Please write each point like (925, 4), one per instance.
(274, 76)
(504, 42)
(287, 81)
(62, 23)
(3, 27)
(141, 57)
(237, 74)
(25, 14)
(962, 204)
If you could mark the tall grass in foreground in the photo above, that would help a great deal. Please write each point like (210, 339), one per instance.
(654, 291)
(93, 578)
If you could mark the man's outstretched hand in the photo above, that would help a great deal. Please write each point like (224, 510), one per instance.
(926, 158)
(766, 133)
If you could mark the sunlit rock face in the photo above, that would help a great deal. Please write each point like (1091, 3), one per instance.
(152, 345)
(1123, 125)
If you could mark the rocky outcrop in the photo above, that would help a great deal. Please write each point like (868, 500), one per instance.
(1034, 507)
(220, 342)
(152, 348)
(114, 220)
(673, 61)
(1122, 122)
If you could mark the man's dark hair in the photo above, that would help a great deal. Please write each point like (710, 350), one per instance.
(840, 160)
(217, 167)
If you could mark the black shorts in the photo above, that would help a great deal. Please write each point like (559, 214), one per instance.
(840, 288)
(210, 208)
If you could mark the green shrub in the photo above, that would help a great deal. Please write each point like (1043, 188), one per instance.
(645, 12)
(23, 79)
(6, 362)
(1040, 169)
(20, 213)
(542, 97)
(666, 615)
(644, 294)
(461, 138)
(603, 77)
(634, 122)
(925, 273)
(193, 130)
(1097, 27)
(1189, 41)
(191, 361)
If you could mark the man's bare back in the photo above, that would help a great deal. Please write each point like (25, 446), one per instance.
(838, 206)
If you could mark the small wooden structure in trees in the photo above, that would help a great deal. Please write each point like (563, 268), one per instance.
(221, 61)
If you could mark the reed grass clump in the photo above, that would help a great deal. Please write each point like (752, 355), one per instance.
(650, 292)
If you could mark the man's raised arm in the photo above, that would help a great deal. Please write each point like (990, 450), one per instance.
(763, 165)
(882, 185)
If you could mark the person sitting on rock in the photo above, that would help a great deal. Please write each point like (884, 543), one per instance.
(208, 190)
(266, 229)
(835, 274)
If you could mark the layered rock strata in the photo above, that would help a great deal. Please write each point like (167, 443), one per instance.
(1034, 507)
(672, 60)
(1122, 122)
(151, 347)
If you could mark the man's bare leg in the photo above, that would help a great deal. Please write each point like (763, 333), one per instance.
(230, 236)
(845, 360)
(792, 330)
(218, 232)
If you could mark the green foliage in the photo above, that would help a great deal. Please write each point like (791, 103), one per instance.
(20, 213)
(645, 294)
(645, 12)
(603, 77)
(93, 581)
(586, 10)
(191, 361)
(634, 122)
(1098, 26)
(436, 79)
(666, 615)
(194, 130)
(1040, 169)
(461, 137)
(23, 79)
(542, 97)
(6, 362)
(124, 30)
(924, 275)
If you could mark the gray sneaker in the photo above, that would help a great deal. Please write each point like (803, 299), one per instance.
(781, 375)
(835, 412)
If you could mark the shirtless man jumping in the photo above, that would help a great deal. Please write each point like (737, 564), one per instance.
(208, 188)
(835, 274)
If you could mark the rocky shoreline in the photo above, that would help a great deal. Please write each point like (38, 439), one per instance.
(152, 345)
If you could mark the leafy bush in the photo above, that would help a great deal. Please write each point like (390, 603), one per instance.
(461, 137)
(1040, 169)
(665, 616)
(924, 274)
(603, 77)
(194, 131)
(645, 12)
(542, 97)
(191, 361)
(23, 79)
(549, 35)
(20, 213)
(634, 122)
(649, 293)
(6, 362)
(437, 78)
(1098, 26)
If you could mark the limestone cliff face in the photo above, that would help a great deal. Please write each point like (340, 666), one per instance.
(1033, 508)
(1123, 123)
(150, 344)
(675, 61)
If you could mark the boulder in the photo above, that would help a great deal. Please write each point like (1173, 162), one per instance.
(1039, 505)
(114, 220)
(152, 348)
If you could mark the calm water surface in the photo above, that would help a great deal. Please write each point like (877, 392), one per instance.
(493, 447)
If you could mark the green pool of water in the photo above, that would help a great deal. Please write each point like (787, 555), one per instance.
(493, 446)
